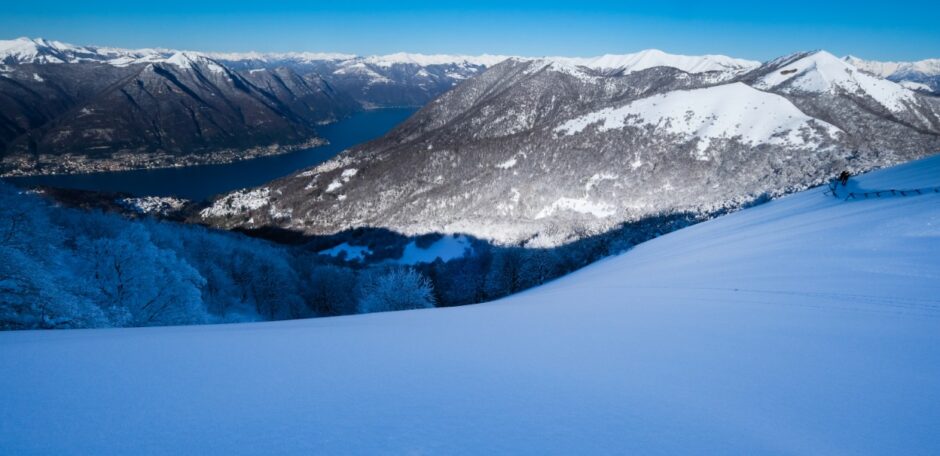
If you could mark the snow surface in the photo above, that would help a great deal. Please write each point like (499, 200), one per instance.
(39, 50)
(154, 204)
(724, 111)
(191, 60)
(928, 67)
(507, 164)
(353, 252)
(238, 202)
(628, 63)
(807, 325)
(911, 85)
(334, 186)
(446, 248)
(435, 59)
(579, 205)
(822, 72)
(449, 247)
(651, 58)
(346, 175)
(301, 57)
(23, 50)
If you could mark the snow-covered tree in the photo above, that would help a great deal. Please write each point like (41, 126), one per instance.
(394, 289)
(33, 295)
(139, 284)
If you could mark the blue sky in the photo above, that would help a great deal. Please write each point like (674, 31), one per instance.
(754, 29)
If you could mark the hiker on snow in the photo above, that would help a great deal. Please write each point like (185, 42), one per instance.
(844, 178)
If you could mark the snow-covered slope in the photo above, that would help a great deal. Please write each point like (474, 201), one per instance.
(434, 59)
(41, 51)
(724, 111)
(22, 50)
(922, 75)
(886, 69)
(304, 57)
(822, 72)
(808, 325)
(651, 58)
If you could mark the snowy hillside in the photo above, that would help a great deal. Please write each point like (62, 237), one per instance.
(822, 72)
(724, 111)
(923, 75)
(651, 58)
(42, 51)
(806, 325)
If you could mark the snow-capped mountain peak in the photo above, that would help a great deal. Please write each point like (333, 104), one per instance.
(822, 72)
(300, 57)
(922, 75)
(38, 50)
(880, 69)
(651, 58)
(42, 51)
(433, 59)
(190, 60)
(928, 67)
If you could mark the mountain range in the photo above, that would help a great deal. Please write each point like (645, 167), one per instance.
(922, 75)
(66, 108)
(541, 152)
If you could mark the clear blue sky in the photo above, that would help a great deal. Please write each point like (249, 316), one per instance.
(753, 29)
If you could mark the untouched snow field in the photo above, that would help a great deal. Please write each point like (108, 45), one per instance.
(723, 111)
(807, 325)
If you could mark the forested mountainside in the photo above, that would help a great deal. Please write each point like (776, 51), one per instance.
(543, 152)
(187, 110)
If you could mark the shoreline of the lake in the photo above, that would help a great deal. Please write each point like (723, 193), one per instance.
(203, 181)
(81, 165)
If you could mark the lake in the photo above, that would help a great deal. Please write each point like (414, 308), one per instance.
(201, 182)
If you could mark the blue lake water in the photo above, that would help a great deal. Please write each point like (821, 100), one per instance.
(200, 182)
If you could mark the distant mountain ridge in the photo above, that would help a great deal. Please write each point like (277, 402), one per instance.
(187, 109)
(67, 108)
(39, 50)
(921, 75)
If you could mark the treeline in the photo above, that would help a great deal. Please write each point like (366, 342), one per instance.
(71, 268)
